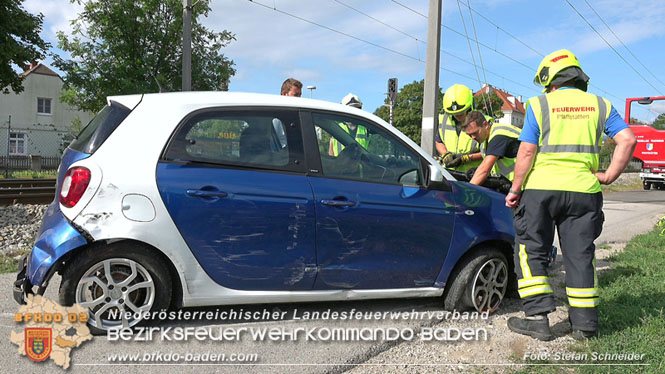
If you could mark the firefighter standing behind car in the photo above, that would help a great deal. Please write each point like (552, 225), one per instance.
(458, 151)
(557, 183)
(498, 146)
(358, 132)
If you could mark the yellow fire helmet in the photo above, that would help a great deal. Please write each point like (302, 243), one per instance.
(457, 99)
(552, 64)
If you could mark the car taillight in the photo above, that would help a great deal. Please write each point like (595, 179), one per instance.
(73, 185)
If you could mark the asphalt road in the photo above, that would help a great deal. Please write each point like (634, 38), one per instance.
(626, 213)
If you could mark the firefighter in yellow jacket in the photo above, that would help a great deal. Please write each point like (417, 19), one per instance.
(557, 183)
(498, 146)
(458, 151)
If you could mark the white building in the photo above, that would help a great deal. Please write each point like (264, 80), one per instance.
(40, 123)
(512, 108)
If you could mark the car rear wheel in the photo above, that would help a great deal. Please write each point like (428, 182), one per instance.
(117, 283)
(647, 185)
(479, 282)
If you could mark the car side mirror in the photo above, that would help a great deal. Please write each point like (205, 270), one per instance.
(436, 180)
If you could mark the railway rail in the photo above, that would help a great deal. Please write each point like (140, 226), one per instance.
(27, 191)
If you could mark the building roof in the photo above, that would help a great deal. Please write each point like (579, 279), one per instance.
(39, 68)
(510, 102)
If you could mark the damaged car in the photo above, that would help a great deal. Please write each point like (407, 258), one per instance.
(194, 199)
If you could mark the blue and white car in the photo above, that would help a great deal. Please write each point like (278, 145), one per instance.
(209, 198)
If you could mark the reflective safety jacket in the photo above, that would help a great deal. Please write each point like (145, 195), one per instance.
(457, 144)
(362, 138)
(571, 126)
(503, 166)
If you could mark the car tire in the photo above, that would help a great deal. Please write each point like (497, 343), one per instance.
(480, 281)
(647, 186)
(140, 282)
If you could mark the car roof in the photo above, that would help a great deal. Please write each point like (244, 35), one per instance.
(219, 98)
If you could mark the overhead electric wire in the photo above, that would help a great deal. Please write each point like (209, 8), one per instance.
(622, 43)
(611, 46)
(480, 56)
(352, 37)
(378, 20)
(471, 51)
(494, 49)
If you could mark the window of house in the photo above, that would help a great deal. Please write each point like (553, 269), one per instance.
(43, 105)
(17, 144)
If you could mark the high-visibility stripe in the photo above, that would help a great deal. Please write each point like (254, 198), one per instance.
(535, 290)
(546, 147)
(498, 126)
(524, 265)
(582, 292)
(526, 282)
(584, 303)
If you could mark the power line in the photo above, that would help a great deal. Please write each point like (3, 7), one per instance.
(335, 31)
(471, 51)
(612, 47)
(379, 21)
(622, 43)
(412, 10)
(505, 31)
(480, 56)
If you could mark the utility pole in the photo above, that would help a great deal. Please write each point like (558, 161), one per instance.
(9, 134)
(186, 45)
(431, 94)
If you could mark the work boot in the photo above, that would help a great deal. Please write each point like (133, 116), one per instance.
(584, 335)
(535, 326)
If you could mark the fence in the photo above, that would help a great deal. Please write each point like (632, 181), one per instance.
(34, 147)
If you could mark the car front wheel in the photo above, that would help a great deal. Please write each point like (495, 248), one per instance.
(480, 282)
(117, 283)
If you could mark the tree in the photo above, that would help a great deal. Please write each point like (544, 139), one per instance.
(135, 46)
(408, 109)
(636, 122)
(483, 100)
(659, 122)
(21, 43)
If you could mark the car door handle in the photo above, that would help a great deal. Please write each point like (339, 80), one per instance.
(207, 193)
(338, 203)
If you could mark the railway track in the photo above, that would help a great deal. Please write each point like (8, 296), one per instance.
(26, 191)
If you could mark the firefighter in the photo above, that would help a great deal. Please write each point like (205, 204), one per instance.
(557, 183)
(358, 132)
(498, 146)
(458, 151)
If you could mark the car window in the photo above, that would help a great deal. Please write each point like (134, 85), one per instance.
(358, 149)
(244, 138)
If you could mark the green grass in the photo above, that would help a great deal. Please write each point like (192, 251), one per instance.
(632, 311)
(9, 262)
(605, 246)
(636, 186)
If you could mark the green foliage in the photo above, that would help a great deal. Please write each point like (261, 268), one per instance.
(135, 46)
(659, 122)
(482, 101)
(31, 174)
(408, 109)
(635, 121)
(20, 41)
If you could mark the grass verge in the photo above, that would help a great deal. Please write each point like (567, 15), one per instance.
(632, 313)
(9, 261)
(635, 186)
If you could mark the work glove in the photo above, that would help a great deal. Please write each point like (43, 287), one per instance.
(457, 160)
(446, 158)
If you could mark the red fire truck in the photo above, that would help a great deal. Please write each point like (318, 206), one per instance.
(650, 148)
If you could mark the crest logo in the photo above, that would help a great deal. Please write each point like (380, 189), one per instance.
(38, 343)
(649, 146)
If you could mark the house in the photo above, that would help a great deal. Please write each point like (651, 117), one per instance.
(35, 121)
(512, 108)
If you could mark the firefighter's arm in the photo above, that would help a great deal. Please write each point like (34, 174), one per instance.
(625, 140)
(331, 148)
(441, 148)
(523, 164)
(483, 170)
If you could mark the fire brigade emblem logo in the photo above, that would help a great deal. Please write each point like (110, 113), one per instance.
(649, 146)
(38, 343)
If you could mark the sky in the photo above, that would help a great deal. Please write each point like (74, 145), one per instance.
(355, 46)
